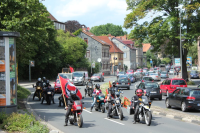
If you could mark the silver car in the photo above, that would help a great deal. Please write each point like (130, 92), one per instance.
(155, 76)
(164, 74)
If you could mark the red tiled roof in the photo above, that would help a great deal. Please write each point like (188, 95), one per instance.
(122, 37)
(127, 43)
(114, 48)
(146, 46)
(52, 17)
(94, 37)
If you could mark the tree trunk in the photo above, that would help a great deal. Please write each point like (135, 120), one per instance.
(184, 66)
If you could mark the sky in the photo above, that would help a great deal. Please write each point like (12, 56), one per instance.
(89, 12)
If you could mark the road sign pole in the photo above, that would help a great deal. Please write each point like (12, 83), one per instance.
(29, 71)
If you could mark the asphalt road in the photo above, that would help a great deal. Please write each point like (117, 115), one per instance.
(97, 121)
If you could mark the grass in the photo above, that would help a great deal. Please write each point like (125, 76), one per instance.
(190, 83)
(22, 92)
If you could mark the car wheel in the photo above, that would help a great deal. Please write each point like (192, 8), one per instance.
(160, 98)
(183, 107)
(167, 103)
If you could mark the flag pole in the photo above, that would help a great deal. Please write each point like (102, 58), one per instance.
(63, 93)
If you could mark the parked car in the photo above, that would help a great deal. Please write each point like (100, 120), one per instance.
(164, 74)
(123, 82)
(131, 77)
(194, 74)
(130, 72)
(184, 98)
(80, 77)
(147, 78)
(170, 84)
(152, 89)
(155, 76)
(97, 77)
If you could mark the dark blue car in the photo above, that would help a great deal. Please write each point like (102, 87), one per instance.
(194, 74)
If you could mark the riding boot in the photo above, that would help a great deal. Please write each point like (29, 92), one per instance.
(42, 100)
(91, 109)
(53, 101)
(66, 122)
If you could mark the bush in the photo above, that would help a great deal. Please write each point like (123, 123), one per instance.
(22, 92)
(190, 83)
(23, 122)
(3, 116)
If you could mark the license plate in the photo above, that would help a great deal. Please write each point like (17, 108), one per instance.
(198, 104)
(152, 92)
(48, 92)
(123, 83)
(78, 107)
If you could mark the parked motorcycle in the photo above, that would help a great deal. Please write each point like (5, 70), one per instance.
(117, 106)
(99, 104)
(89, 89)
(144, 112)
(38, 91)
(75, 115)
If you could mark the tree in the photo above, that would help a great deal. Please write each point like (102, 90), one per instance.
(108, 28)
(73, 25)
(166, 61)
(165, 30)
(193, 53)
(73, 48)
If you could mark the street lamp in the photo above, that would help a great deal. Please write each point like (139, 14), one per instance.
(180, 38)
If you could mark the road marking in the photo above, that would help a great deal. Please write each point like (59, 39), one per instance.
(114, 121)
(87, 111)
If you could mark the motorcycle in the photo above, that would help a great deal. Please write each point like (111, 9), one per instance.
(75, 115)
(89, 89)
(38, 91)
(48, 95)
(99, 104)
(144, 112)
(117, 106)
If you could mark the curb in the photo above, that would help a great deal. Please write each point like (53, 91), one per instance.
(30, 110)
(176, 117)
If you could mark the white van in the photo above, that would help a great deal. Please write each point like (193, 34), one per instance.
(80, 77)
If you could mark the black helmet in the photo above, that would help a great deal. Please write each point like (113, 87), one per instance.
(44, 78)
(97, 86)
(114, 83)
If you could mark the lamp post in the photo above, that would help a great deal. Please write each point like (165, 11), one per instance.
(180, 40)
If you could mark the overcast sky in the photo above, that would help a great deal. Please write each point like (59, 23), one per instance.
(89, 12)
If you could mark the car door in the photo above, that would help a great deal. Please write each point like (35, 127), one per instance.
(174, 97)
(179, 97)
(167, 86)
(162, 86)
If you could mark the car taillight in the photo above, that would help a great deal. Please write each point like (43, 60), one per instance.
(160, 91)
(156, 76)
(142, 80)
(128, 83)
(145, 91)
(190, 98)
(117, 83)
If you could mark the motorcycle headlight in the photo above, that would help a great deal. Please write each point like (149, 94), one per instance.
(90, 86)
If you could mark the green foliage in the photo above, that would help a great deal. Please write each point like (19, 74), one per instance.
(166, 61)
(149, 65)
(94, 70)
(3, 116)
(190, 83)
(193, 52)
(77, 32)
(165, 31)
(22, 92)
(23, 122)
(125, 67)
(106, 29)
(150, 55)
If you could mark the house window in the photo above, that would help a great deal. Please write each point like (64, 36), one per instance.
(86, 40)
(124, 54)
(124, 47)
(88, 54)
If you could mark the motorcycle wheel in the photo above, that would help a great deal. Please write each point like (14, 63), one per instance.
(103, 109)
(33, 96)
(80, 121)
(120, 114)
(49, 101)
(148, 118)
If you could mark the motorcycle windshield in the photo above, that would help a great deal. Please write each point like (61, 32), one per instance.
(77, 102)
(145, 99)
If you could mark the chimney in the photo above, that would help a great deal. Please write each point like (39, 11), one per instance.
(84, 28)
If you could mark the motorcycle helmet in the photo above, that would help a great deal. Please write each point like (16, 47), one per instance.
(47, 81)
(114, 83)
(44, 78)
(39, 79)
(97, 86)
(139, 92)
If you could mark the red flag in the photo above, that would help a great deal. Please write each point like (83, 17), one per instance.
(126, 102)
(110, 85)
(71, 69)
(63, 83)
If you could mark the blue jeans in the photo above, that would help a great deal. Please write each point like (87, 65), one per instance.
(93, 102)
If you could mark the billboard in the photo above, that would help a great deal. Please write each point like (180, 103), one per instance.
(177, 62)
(189, 61)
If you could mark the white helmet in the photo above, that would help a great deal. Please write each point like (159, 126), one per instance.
(39, 79)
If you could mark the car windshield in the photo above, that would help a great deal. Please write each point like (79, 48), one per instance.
(163, 72)
(123, 80)
(151, 85)
(193, 72)
(65, 75)
(78, 74)
(123, 76)
(178, 82)
(148, 78)
(195, 93)
(96, 74)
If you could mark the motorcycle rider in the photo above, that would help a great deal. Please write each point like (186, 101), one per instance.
(45, 92)
(71, 92)
(44, 80)
(39, 82)
(97, 91)
(111, 96)
(134, 104)
(114, 86)
(89, 82)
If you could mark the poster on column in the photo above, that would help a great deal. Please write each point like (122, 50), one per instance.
(12, 71)
(2, 73)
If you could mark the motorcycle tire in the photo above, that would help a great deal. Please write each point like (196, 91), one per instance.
(120, 114)
(49, 101)
(71, 121)
(148, 118)
(103, 109)
(80, 121)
